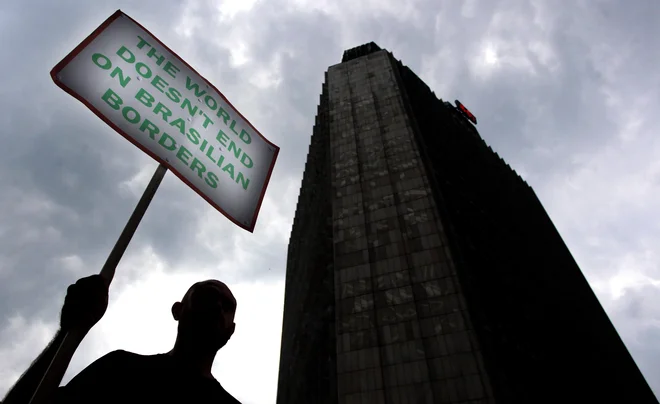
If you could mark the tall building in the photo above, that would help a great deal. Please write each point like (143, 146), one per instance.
(422, 269)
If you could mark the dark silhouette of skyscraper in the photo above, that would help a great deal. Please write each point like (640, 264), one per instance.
(422, 269)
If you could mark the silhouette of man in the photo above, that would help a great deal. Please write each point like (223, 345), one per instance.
(182, 375)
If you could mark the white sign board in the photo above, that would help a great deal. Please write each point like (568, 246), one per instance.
(159, 103)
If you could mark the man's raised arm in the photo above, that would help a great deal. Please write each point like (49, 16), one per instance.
(27, 384)
(84, 305)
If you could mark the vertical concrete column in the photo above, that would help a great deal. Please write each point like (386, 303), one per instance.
(403, 335)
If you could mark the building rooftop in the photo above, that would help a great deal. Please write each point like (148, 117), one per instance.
(360, 51)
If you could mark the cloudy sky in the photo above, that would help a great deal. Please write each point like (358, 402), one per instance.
(566, 92)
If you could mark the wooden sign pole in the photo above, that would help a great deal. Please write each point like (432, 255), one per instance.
(72, 339)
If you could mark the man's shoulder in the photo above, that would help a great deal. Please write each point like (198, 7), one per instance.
(233, 400)
(124, 359)
(223, 394)
(226, 396)
(129, 371)
(120, 354)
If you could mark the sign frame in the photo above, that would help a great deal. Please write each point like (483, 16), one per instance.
(68, 58)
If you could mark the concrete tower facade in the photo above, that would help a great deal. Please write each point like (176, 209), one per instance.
(422, 269)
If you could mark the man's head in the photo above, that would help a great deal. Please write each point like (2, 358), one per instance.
(206, 315)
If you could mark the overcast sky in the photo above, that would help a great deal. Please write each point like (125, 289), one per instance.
(566, 92)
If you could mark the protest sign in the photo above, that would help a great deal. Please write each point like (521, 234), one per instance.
(154, 99)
